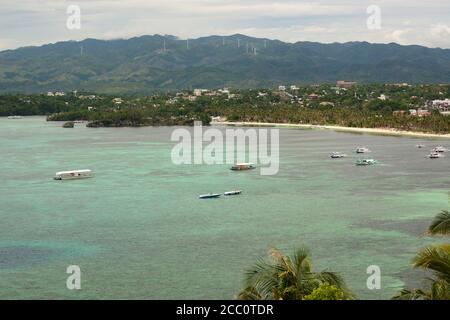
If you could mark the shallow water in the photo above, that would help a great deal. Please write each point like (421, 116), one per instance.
(138, 230)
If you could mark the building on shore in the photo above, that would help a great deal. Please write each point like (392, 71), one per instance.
(345, 84)
(443, 106)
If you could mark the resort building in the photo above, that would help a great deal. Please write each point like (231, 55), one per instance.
(443, 106)
(345, 84)
(313, 96)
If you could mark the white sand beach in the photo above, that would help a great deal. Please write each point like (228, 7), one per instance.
(378, 131)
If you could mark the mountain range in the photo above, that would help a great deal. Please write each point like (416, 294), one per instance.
(159, 63)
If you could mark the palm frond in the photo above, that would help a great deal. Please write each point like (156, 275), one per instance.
(435, 258)
(440, 224)
(415, 294)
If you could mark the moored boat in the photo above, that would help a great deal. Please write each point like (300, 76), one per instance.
(243, 166)
(209, 196)
(232, 193)
(439, 149)
(14, 117)
(362, 150)
(337, 155)
(365, 162)
(74, 174)
(435, 155)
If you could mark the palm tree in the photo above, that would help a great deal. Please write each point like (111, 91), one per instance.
(435, 259)
(440, 224)
(287, 278)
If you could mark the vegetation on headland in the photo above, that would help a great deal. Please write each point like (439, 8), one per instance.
(366, 106)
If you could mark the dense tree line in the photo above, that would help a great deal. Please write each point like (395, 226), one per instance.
(355, 107)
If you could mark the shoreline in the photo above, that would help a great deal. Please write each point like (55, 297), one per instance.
(376, 131)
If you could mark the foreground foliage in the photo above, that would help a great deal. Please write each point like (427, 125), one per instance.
(292, 278)
(436, 260)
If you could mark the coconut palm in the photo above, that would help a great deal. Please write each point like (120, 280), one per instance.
(435, 259)
(440, 224)
(287, 278)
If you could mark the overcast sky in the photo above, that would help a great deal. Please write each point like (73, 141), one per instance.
(35, 22)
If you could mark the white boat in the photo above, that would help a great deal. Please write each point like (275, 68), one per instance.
(74, 174)
(439, 149)
(435, 155)
(243, 166)
(362, 150)
(337, 155)
(365, 162)
(14, 117)
(232, 193)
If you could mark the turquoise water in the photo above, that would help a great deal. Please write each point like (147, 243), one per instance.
(137, 229)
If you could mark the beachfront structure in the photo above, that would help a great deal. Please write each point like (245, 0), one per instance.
(313, 96)
(419, 112)
(443, 106)
(117, 101)
(345, 84)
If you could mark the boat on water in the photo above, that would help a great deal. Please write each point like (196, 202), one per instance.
(74, 174)
(243, 166)
(362, 150)
(365, 162)
(435, 155)
(337, 155)
(420, 146)
(14, 117)
(232, 193)
(439, 149)
(209, 196)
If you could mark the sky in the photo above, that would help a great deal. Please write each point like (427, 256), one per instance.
(37, 22)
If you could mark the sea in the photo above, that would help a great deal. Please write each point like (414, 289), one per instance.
(137, 229)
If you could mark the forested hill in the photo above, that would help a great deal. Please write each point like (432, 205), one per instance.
(143, 65)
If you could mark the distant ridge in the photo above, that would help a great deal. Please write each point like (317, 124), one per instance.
(143, 65)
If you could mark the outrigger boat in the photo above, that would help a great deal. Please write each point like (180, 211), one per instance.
(337, 155)
(365, 162)
(232, 193)
(435, 155)
(74, 174)
(362, 150)
(439, 149)
(243, 166)
(209, 196)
